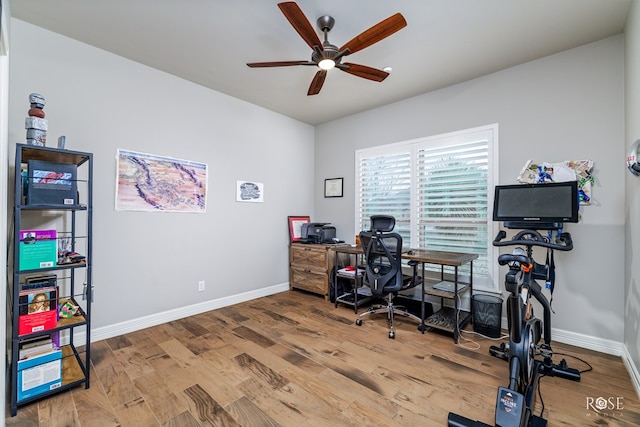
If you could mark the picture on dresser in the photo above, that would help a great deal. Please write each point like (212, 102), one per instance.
(295, 227)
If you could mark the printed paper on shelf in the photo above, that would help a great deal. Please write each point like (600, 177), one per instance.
(349, 272)
(38, 249)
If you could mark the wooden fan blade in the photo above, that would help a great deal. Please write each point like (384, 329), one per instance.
(278, 64)
(300, 23)
(376, 33)
(317, 82)
(364, 71)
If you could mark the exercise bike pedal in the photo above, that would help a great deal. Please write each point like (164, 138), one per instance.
(499, 352)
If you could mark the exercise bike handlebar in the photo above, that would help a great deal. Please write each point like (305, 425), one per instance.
(533, 238)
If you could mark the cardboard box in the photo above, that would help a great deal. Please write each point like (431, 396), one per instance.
(39, 375)
(38, 249)
(51, 183)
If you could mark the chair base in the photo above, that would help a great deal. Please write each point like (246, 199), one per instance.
(391, 310)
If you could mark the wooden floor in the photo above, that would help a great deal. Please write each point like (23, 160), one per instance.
(292, 359)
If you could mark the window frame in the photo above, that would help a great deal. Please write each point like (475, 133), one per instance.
(488, 133)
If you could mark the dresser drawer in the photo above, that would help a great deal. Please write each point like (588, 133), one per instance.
(310, 257)
(309, 268)
(309, 280)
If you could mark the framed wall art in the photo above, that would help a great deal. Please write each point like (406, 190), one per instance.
(333, 187)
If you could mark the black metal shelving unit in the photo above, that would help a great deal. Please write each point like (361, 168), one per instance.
(75, 287)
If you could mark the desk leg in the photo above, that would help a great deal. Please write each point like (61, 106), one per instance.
(456, 325)
(355, 286)
(422, 327)
(471, 291)
(335, 280)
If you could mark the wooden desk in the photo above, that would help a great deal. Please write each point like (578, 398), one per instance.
(441, 258)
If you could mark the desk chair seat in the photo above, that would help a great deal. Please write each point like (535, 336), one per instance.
(383, 273)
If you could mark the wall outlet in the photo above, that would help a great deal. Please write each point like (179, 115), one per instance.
(201, 286)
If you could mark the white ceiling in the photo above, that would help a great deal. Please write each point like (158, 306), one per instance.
(445, 42)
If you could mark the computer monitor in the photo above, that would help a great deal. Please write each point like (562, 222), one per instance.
(541, 206)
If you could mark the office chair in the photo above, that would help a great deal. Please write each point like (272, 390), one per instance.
(383, 270)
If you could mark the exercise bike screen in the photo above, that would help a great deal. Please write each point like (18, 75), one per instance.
(536, 203)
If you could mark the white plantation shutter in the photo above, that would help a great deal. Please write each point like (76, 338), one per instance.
(440, 190)
(385, 187)
(452, 199)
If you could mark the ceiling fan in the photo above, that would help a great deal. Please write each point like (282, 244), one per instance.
(325, 55)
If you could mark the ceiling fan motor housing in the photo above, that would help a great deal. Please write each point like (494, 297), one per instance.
(329, 52)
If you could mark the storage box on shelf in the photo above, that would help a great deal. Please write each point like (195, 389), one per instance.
(42, 281)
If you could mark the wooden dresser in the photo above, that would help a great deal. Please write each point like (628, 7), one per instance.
(310, 267)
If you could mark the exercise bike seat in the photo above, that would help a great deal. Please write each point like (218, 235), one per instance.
(505, 259)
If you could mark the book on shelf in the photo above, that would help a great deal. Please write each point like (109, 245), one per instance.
(36, 348)
(35, 342)
(38, 249)
(38, 310)
(38, 282)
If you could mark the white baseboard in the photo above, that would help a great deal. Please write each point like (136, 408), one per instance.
(179, 313)
(632, 369)
(587, 341)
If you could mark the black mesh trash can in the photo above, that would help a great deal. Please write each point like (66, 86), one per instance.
(487, 315)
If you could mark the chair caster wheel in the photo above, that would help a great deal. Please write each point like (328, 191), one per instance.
(392, 334)
(359, 322)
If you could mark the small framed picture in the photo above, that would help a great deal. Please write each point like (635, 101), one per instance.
(333, 187)
(295, 226)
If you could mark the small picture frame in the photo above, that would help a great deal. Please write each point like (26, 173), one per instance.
(295, 226)
(333, 187)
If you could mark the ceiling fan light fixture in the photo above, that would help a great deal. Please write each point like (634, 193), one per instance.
(326, 64)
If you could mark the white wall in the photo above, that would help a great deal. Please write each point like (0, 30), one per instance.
(150, 263)
(562, 107)
(632, 224)
(4, 103)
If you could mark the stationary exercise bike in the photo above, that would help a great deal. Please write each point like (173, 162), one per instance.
(515, 403)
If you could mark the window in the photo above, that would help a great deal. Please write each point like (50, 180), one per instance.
(440, 190)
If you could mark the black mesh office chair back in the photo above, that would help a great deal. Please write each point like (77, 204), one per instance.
(383, 273)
